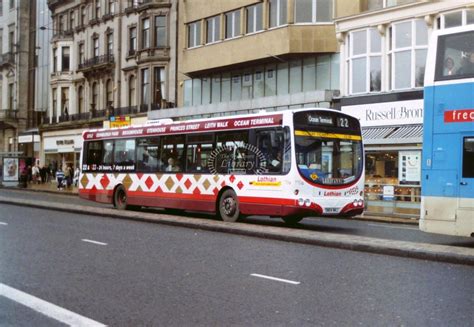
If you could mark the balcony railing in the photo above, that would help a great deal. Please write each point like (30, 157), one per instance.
(97, 61)
(7, 58)
(64, 34)
(8, 114)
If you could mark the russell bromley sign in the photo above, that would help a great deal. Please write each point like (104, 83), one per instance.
(387, 113)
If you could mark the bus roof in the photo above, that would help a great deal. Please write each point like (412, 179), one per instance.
(264, 119)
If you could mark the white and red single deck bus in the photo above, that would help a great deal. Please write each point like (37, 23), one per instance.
(289, 164)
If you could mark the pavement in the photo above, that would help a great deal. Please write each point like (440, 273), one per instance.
(411, 220)
(425, 251)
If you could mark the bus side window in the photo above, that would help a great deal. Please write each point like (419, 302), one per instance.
(468, 158)
(94, 154)
(172, 153)
(232, 155)
(199, 148)
(148, 155)
(124, 152)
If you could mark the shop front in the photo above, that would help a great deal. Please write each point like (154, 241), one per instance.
(61, 148)
(392, 135)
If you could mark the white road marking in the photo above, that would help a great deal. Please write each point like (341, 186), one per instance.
(4, 224)
(48, 309)
(276, 279)
(393, 227)
(93, 242)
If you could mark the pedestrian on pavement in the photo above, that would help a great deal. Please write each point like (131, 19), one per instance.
(60, 178)
(68, 174)
(35, 174)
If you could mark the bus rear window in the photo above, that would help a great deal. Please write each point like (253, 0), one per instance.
(455, 56)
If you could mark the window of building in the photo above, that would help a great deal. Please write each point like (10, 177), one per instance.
(232, 24)
(468, 158)
(95, 96)
(61, 23)
(270, 80)
(12, 4)
(83, 15)
(109, 93)
(95, 42)
(213, 29)
(55, 101)
(206, 90)
(110, 44)
(254, 18)
(365, 61)
(278, 12)
(295, 76)
(188, 92)
(145, 99)
(97, 9)
(247, 86)
(132, 95)
(282, 78)
(55, 60)
(159, 85)
(197, 91)
(111, 7)
(258, 82)
(71, 20)
(65, 102)
(313, 11)
(132, 45)
(457, 18)
(81, 53)
(160, 31)
(1, 42)
(1, 8)
(216, 89)
(146, 33)
(236, 88)
(408, 54)
(194, 34)
(11, 96)
(65, 59)
(11, 40)
(80, 97)
(225, 87)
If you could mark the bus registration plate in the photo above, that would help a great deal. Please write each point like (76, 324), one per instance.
(331, 210)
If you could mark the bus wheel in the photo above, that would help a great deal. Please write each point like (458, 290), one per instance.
(229, 206)
(120, 198)
(292, 220)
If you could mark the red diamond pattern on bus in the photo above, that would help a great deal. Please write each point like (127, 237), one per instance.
(232, 178)
(197, 191)
(240, 185)
(188, 184)
(149, 182)
(223, 184)
(104, 181)
(216, 190)
(179, 177)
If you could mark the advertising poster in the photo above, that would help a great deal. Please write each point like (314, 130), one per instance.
(10, 169)
(409, 167)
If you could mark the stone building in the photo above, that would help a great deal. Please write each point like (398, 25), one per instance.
(17, 55)
(246, 55)
(110, 61)
(383, 53)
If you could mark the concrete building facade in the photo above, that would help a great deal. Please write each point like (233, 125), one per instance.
(109, 59)
(383, 53)
(245, 56)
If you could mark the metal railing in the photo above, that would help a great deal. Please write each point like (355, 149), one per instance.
(96, 61)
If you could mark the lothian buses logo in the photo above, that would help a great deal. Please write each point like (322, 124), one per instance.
(241, 159)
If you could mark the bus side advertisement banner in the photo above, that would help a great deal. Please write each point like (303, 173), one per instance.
(213, 125)
(459, 116)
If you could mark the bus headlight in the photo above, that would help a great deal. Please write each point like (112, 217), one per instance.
(307, 202)
(360, 203)
(300, 202)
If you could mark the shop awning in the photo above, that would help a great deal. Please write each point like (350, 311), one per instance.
(392, 134)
